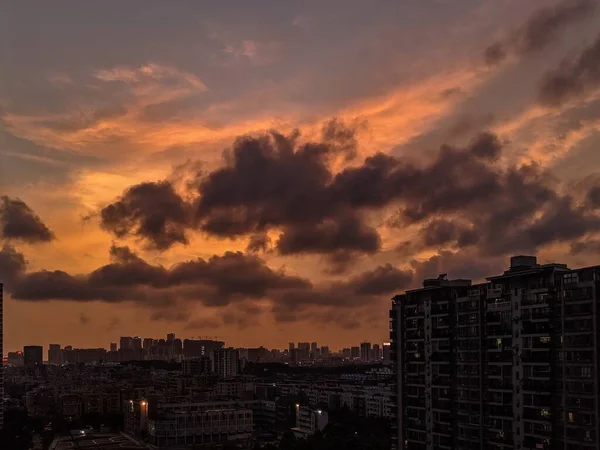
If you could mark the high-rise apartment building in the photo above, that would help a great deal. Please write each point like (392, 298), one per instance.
(385, 352)
(33, 355)
(226, 362)
(314, 350)
(113, 346)
(55, 355)
(507, 364)
(375, 352)
(1, 357)
(365, 351)
(303, 351)
(355, 352)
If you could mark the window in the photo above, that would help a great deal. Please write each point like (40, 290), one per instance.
(571, 417)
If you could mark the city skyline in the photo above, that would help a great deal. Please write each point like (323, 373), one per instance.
(151, 180)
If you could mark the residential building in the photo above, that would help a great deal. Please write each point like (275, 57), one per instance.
(33, 355)
(226, 362)
(197, 366)
(365, 351)
(187, 424)
(385, 351)
(1, 358)
(54, 354)
(376, 353)
(355, 352)
(309, 421)
(507, 364)
(303, 351)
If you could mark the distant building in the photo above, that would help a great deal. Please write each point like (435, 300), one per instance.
(346, 353)
(314, 350)
(126, 343)
(15, 359)
(186, 424)
(54, 354)
(324, 351)
(303, 351)
(197, 366)
(375, 353)
(309, 421)
(386, 352)
(33, 355)
(113, 346)
(147, 344)
(365, 351)
(226, 362)
(195, 348)
(355, 352)
(1, 357)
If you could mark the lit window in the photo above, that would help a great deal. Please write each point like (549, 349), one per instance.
(545, 413)
(571, 417)
(545, 339)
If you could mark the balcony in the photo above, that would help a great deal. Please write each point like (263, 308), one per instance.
(498, 305)
(494, 292)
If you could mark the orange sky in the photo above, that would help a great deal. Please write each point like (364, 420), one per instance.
(96, 99)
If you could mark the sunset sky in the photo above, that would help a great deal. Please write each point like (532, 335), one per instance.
(274, 171)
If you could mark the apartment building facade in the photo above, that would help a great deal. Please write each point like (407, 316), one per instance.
(507, 364)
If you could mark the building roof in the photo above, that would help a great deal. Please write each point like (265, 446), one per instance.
(96, 441)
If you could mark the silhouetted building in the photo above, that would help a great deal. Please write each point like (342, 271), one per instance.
(385, 350)
(314, 350)
(507, 364)
(195, 348)
(113, 346)
(226, 362)
(355, 352)
(33, 355)
(303, 351)
(15, 359)
(324, 351)
(365, 351)
(126, 343)
(1, 357)
(375, 353)
(197, 366)
(54, 354)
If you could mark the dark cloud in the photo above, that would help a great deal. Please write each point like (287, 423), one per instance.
(216, 281)
(240, 286)
(204, 323)
(540, 30)
(440, 231)
(458, 265)
(153, 211)
(463, 196)
(383, 280)
(586, 246)
(593, 197)
(258, 243)
(343, 233)
(19, 222)
(573, 79)
(12, 265)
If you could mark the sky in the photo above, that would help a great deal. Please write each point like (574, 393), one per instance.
(271, 171)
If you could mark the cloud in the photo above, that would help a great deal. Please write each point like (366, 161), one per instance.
(541, 29)
(383, 280)
(153, 211)
(84, 319)
(462, 196)
(241, 287)
(573, 79)
(18, 221)
(258, 243)
(12, 265)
